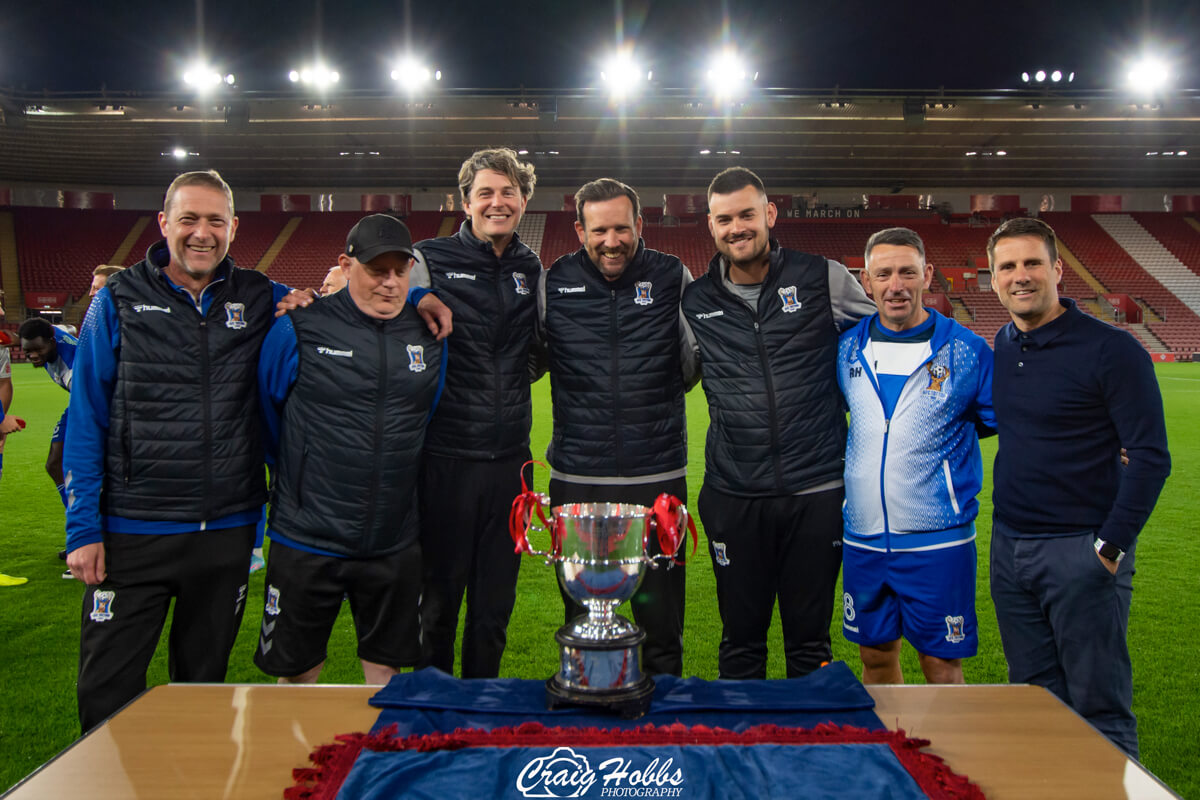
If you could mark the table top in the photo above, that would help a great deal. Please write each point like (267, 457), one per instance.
(232, 741)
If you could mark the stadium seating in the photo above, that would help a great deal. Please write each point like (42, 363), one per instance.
(57, 249)
(1175, 234)
(558, 237)
(1179, 329)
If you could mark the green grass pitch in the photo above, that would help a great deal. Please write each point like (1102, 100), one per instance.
(39, 621)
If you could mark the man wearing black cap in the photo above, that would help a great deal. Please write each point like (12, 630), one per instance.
(344, 508)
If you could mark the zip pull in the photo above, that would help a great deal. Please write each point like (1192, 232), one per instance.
(887, 423)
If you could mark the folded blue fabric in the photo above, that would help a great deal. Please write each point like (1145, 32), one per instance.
(429, 700)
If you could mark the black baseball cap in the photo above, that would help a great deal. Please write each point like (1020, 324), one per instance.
(378, 234)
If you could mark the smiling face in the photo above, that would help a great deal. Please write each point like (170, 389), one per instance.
(895, 277)
(495, 205)
(379, 287)
(740, 223)
(610, 232)
(199, 226)
(1025, 280)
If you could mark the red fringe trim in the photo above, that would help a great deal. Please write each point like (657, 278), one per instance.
(333, 761)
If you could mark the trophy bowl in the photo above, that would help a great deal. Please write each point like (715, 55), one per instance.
(599, 552)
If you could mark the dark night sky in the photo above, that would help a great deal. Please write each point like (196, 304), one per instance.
(130, 44)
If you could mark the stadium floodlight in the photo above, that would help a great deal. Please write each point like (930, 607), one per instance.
(412, 75)
(728, 75)
(1040, 75)
(1025, 77)
(1181, 152)
(179, 153)
(1148, 75)
(1056, 76)
(318, 75)
(623, 75)
(204, 77)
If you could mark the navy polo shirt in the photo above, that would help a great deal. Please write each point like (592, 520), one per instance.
(1068, 396)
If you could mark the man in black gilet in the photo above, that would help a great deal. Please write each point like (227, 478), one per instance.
(620, 360)
(767, 320)
(344, 503)
(163, 457)
(479, 437)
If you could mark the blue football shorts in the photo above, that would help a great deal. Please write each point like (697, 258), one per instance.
(60, 430)
(927, 596)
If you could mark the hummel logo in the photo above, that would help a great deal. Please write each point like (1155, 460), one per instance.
(710, 314)
(572, 289)
(140, 307)
(329, 351)
(466, 276)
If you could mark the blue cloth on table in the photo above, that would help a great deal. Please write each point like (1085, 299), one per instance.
(725, 771)
(429, 700)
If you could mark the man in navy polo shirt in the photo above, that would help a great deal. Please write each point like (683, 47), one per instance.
(1070, 391)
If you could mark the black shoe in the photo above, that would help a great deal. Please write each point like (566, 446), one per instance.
(62, 555)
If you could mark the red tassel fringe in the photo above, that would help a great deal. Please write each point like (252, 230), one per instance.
(333, 761)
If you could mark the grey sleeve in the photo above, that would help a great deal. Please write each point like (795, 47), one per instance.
(539, 352)
(846, 297)
(419, 274)
(689, 349)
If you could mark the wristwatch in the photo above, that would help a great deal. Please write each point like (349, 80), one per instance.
(1109, 550)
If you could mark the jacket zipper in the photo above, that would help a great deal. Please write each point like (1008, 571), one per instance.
(205, 384)
(772, 411)
(497, 339)
(887, 424)
(380, 406)
(616, 379)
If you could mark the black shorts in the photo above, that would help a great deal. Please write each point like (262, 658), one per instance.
(304, 593)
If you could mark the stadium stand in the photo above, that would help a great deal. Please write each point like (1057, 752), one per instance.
(427, 224)
(1176, 325)
(313, 248)
(1175, 234)
(689, 240)
(558, 236)
(57, 249)
(1150, 254)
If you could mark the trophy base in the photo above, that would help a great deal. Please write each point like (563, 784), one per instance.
(628, 703)
(601, 673)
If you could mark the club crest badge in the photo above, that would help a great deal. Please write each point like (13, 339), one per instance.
(790, 302)
(235, 316)
(102, 605)
(522, 284)
(938, 373)
(272, 606)
(641, 293)
(848, 607)
(721, 556)
(416, 358)
(954, 630)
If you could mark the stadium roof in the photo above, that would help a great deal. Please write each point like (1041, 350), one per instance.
(900, 140)
(96, 99)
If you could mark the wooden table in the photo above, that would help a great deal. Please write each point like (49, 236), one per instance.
(209, 741)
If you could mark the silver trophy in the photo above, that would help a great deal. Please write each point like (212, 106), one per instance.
(599, 551)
